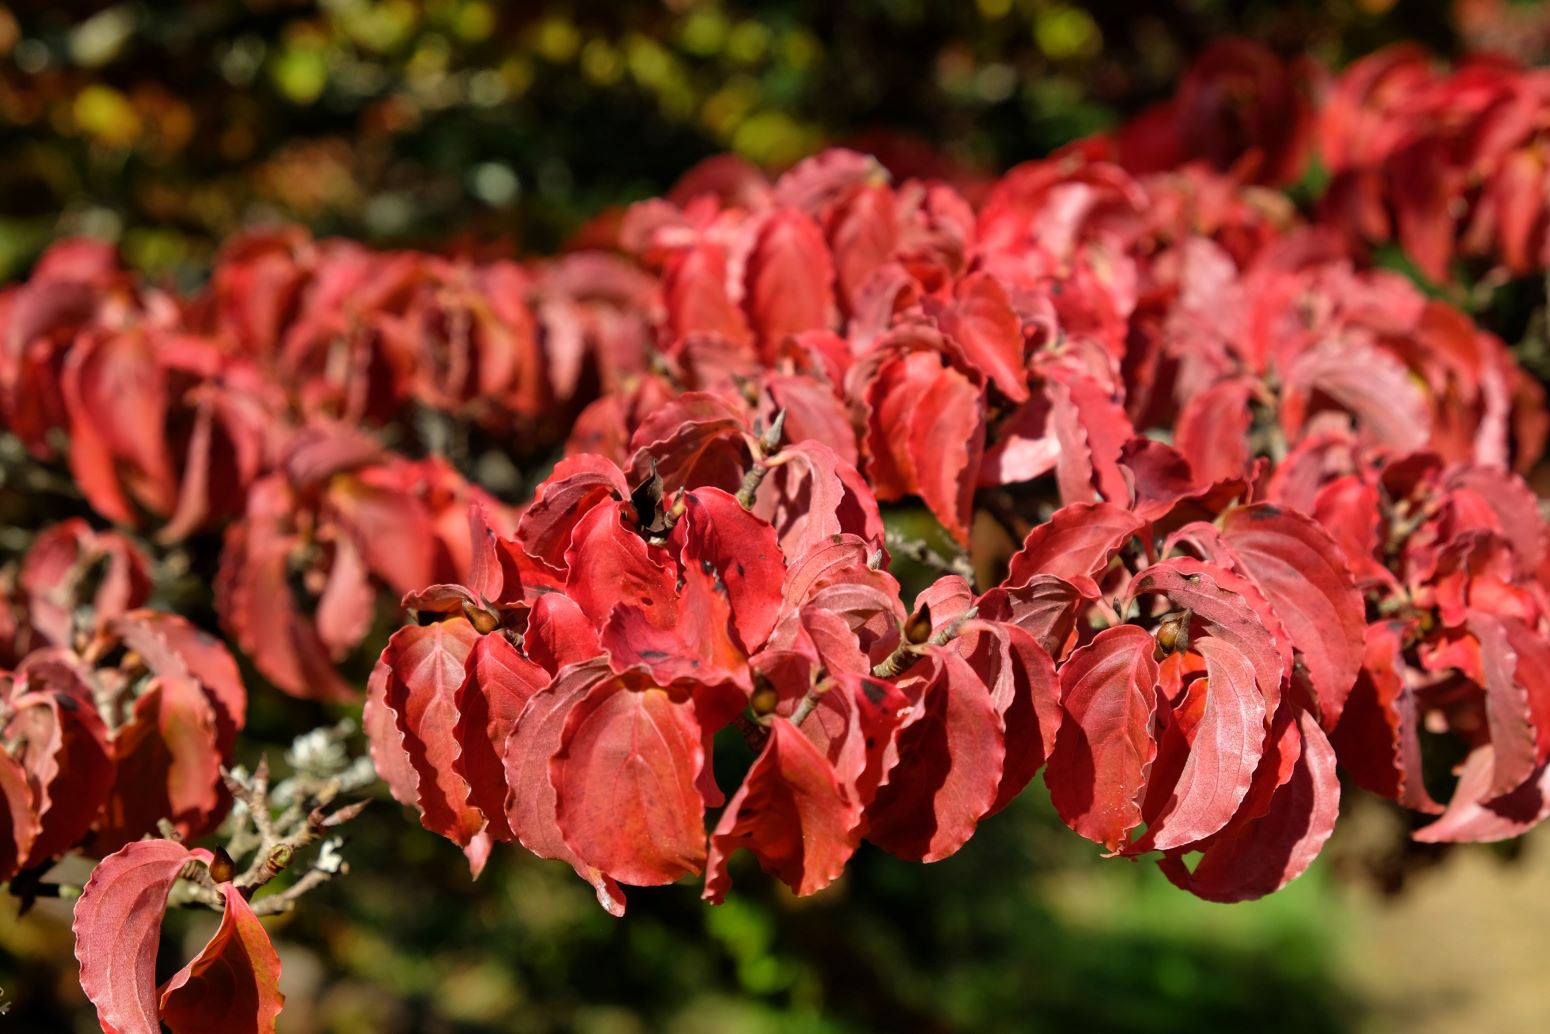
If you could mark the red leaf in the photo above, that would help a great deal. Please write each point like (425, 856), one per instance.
(1477, 815)
(951, 750)
(117, 929)
(742, 549)
(1508, 707)
(1045, 607)
(57, 572)
(1024, 689)
(64, 750)
(117, 395)
(694, 440)
(1224, 749)
(855, 724)
(418, 681)
(684, 638)
(558, 633)
(813, 496)
(530, 798)
(624, 779)
(1231, 609)
(791, 812)
(1263, 852)
(609, 564)
(946, 442)
(981, 320)
(1212, 430)
(497, 685)
(1377, 741)
(1096, 772)
(348, 602)
(1076, 544)
(19, 826)
(1304, 576)
(391, 528)
(694, 290)
(167, 763)
(1092, 428)
(577, 484)
(789, 280)
(233, 984)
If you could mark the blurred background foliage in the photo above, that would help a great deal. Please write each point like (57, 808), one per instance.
(169, 125)
(440, 123)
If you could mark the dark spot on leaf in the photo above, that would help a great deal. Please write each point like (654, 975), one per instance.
(873, 690)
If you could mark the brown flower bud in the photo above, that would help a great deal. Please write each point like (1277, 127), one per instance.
(1173, 633)
(764, 696)
(918, 629)
(222, 868)
(483, 619)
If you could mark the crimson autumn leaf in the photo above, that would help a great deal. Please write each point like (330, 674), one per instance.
(951, 749)
(180, 731)
(1024, 689)
(946, 441)
(1213, 429)
(558, 633)
(64, 749)
(1378, 741)
(1229, 608)
(19, 826)
(70, 568)
(1108, 691)
(1517, 698)
(117, 396)
(1304, 576)
(577, 484)
(624, 780)
(610, 564)
(413, 723)
(855, 723)
(1476, 814)
(1075, 544)
(232, 984)
(497, 684)
(694, 288)
(981, 320)
(814, 495)
(1295, 800)
(693, 441)
(789, 279)
(1198, 794)
(530, 797)
(718, 534)
(117, 929)
(791, 812)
